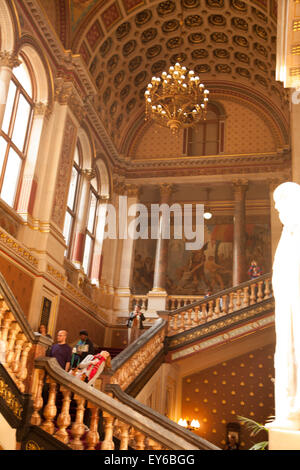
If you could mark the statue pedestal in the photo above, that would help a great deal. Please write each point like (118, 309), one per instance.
(283, 439)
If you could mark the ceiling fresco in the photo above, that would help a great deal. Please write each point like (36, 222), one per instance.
(125, 42)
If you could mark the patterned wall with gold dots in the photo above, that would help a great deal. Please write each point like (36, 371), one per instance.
(238, 387)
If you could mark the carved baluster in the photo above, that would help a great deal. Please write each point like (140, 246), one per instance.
(50, 408)
(20, 339)
(182, 315)
(3, 310)
(260, 291)
(197, 315)
(92, 437)
(38, 399)
(217, 307)
(78, 426)
(246, 296)
(238, 299)
(64, 418)
(253, 294)
(22, 374)
(124, 437)
(7, 319)
(189, 322)
(140, 441)
(224, 304)
(204, 312)
(108, 443)
(151, 444)
(231, 303)
(210, 310)
(12, 333)
(267, 289)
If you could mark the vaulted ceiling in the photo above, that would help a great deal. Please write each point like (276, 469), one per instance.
(229, 43)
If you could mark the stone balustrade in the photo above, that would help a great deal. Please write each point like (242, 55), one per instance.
(62, 414)
(19, 345)
(218, 305)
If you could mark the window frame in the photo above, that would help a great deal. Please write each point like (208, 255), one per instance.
(8, 136)
(88, 233)
(74, 212)
(188, 141)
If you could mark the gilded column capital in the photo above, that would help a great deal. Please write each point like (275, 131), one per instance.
(119, 186)
(42, 109)
(89, 173)
(133, 190)
(9, 59)
(66, 94)
(274, 182)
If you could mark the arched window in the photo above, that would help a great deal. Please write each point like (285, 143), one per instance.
(90, 232)
(207, 138)
(15, 132)
(72, 203)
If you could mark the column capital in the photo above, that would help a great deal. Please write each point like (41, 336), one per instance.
(240, 186)
(240, 183)
(133, 190)
(119, 186)
(9, 59)
(89, 173)
(42, 109)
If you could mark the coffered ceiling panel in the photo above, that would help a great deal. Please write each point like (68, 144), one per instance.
(125, 42)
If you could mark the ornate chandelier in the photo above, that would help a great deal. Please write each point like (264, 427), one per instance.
(176, 100)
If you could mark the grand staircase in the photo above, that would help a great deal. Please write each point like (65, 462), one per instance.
(116, 420)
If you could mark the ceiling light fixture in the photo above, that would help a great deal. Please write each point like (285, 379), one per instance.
(176, 100)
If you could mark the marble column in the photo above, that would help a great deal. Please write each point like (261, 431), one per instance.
(126, 245)
(157, 297)
(239, 232)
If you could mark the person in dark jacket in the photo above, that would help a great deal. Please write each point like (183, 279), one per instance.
(83, 348)
(135, 324)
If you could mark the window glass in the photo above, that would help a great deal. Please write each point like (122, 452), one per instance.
(3, 147)
(11, 177)
(21, 121)
(68, 228)
(87, 253)
(92, 213)
(9, 106)
(72, 189)
(22, 75)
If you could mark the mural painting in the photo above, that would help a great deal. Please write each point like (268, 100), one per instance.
(194, 272)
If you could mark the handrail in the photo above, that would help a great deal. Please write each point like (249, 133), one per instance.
(147, 335)
(146, 430)
(158, 418)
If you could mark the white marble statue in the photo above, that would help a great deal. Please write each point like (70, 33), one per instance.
(286, 286)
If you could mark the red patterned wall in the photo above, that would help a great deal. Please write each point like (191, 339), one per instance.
(239, 387)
